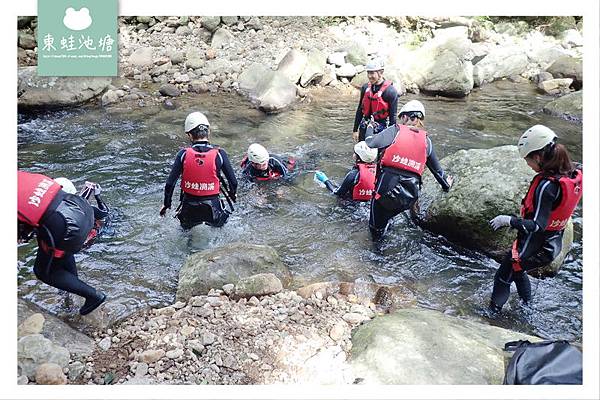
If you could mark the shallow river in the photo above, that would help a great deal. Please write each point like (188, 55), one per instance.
(129, 151)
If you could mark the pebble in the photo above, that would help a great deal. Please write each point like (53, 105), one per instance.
(105, 343)
(208, 338)
(173, 354)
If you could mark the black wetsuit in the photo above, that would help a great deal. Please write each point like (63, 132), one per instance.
(390, 96)
(54, 271)
(344, 191)
(537, 247)
(198, 209)
(399, 189)
(276, 164)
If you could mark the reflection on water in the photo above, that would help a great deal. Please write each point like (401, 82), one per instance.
(130, 152)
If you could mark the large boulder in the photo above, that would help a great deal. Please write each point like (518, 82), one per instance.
(292, 65)
(443, 66)
(425, 347)
(569, 107)
(488, 182)
(270, 91)
(315, 67)
(54, 329)
(36, 92)
(228, 264)
(35, 350)
(500, 62)
(568, 67)
(545, 54)
(555, 87)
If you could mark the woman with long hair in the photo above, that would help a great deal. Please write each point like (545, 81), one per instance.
(551, 199)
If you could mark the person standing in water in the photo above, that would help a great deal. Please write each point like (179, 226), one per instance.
(551, 199)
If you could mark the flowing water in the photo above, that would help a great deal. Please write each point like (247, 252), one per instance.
(129, 151)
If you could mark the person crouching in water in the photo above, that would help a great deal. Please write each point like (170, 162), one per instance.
(259, 165)
(359, 182)
(407, 149)
(551, 199)
(61, 221)
(200, 166)
(101, 211)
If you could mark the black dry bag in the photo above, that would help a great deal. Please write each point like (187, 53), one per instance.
(543, 363)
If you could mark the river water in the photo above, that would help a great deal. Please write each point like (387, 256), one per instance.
(129, 151)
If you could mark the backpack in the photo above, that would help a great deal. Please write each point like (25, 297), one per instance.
(553, 362)
(79, 219)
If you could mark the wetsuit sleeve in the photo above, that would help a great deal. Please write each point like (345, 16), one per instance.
(382, 139)
(359, 113)
(228, 172)
(390, 96)
(276, 164)
(101, 211)
(348, 183)
(173, 177)
(546, 194)
(435, 167)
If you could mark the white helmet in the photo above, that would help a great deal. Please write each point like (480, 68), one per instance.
(67, 185)
(374, 64)
(413, 106)
(194, 119)
(365, 153)
(257, 153)
(535, 138)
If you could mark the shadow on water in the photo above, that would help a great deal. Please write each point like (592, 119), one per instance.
(130, 152)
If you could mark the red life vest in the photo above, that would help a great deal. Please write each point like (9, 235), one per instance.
(363, 190)
(35, 193)
(408, 151)
(571, 190)
(373, 103)
(199, 177)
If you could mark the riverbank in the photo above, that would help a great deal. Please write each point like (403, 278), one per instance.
(163, 58)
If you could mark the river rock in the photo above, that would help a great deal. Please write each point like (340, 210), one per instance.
(315, 67)
(329, 76)
(216, 66)
(57, 330)
(183, 31)
(32, 325)
(169, 90)
(229, 20)
(258, 285)
(151, 356)
(50, 374)
(569, 107)
(254, 23)
(443, 66)
(141, 57)
(211, 23)
(50, 91)
(501, 62)
(545, 54)
(338, 58)
(221, 38)
(359, 80)
(215, 267)
(488, 182)
(35, 350)
(176, 56)
(419, 346)
(27, 41)
(270, 91)
(556, 86)
(571, 38)
(541, 77)
(194, 59)
(346, 71)
(292, 65)
(568, 67)
(109, 97)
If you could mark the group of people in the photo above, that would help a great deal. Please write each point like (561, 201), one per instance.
(390, 156)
